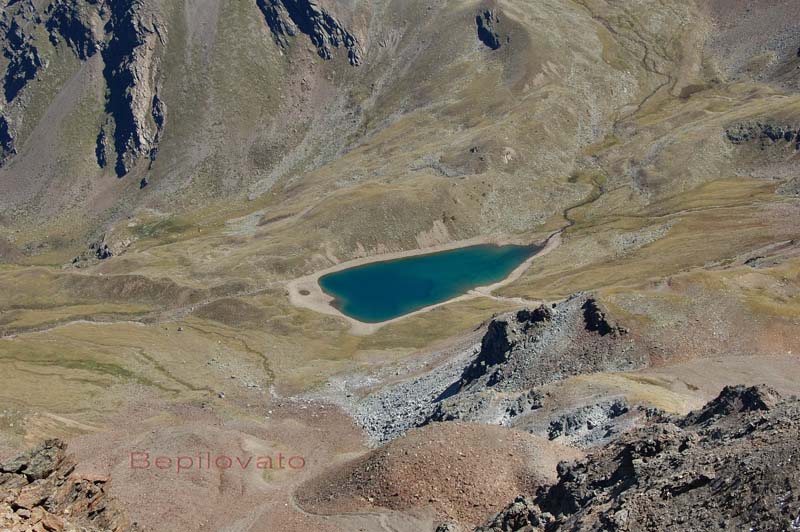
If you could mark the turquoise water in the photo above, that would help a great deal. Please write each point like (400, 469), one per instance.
(381, 291)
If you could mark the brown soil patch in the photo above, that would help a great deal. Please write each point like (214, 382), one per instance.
(463, 471)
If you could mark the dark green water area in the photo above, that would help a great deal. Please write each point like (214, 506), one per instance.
(380, 291)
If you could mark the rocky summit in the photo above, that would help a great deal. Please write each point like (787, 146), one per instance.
(399, 265)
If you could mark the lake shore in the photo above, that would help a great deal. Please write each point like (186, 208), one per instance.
(305, 292)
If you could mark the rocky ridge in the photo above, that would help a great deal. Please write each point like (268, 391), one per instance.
(288, 17)
(732, 465)
(7, 148)
(78, 23)
(24, 60)
(497, 381)
(525, 349)
(40, 491)
(131, 72)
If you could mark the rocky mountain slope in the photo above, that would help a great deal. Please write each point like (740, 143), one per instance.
(125, 34)
(498, 382)
(102, 89)
(729, 466)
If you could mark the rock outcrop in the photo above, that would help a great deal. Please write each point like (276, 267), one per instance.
(497, 382)
(486, 407)
(78, 23)
(24, 60)
(583, 421)
(159, 114)
(101, 148)
(535, 347)
(102, 251)
(764, 133)
(596, 319)
(131, 74)
(7, 149)
(286, 18)
(487, 23)
(734, 400)
(40, 491)
(730, 466)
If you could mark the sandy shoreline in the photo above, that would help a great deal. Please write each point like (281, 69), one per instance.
(305, 292)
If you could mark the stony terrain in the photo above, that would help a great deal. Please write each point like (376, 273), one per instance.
(730, 466)
(496, 382)
(40, 491)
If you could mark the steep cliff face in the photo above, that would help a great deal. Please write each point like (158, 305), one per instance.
(131, 75)
(488, 23)
(288, 17)
(78, 23)
(7, 149)
(24, 60)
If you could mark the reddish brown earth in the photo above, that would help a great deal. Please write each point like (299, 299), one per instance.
(202, 498)
(463, 471)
